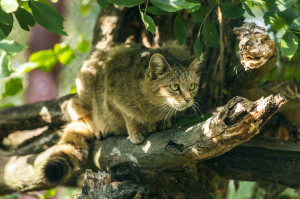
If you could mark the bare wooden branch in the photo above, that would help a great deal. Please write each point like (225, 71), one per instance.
(239, 120)
(33, 116)
(265, 160)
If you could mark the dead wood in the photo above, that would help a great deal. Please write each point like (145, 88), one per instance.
(236, 123)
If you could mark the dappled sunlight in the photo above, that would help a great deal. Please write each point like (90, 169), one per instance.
(97, 158)
(45, 115)
(147, 146)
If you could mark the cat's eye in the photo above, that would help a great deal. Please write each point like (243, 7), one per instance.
(174, 87)
(192, 87)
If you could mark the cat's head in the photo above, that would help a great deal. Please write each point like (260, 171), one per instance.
(173, 83)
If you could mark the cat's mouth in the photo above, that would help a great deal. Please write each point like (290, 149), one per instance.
(183, 106)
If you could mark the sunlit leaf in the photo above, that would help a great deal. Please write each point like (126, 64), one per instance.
(11, 47)
(295, 25)
(24, 18)
(126, 3)
(230, 10)
(210, 35)
(45, 59)
(12, 87)
(173, 5)
(148, 22)
(289, 44)
(180, 29)
(83, 46)
(73, 89)
(281, 5)
(64, 53)
(289, 15)
(5, 64)
(47, 17)
(9, 6)
(270, 18)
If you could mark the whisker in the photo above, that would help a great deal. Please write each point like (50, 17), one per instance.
(169, 111)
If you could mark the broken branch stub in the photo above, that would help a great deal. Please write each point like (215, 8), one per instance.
(239, 121)
(256, 46)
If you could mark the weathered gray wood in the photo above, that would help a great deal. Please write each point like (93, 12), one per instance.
(236, 123)
(264, 160)
(239, 121)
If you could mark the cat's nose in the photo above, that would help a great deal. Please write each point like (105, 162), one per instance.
(187, 99)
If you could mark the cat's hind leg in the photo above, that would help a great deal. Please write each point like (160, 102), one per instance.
(70, 153)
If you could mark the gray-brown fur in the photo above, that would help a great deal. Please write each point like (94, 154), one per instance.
(127, 90)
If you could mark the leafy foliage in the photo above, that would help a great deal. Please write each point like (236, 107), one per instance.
(281, 15)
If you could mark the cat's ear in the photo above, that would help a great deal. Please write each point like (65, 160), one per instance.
(196, 65)
(158, 65)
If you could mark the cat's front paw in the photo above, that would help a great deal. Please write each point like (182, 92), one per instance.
(137, 137)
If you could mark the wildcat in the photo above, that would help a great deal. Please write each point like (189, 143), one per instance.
(127, 89)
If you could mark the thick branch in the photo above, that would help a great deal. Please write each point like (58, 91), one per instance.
(33, 116)
(265, 160)
(239, 120)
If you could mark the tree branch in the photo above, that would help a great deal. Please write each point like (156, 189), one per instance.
(265, 160)
(239, 120)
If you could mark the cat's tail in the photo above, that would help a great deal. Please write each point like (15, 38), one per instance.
(70, 153)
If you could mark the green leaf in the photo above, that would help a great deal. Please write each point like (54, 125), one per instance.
(157, 11)
(198, 46)
(45, 59)
(103, 4)
(9, 6)
(6, 106)
(180, 29)
(230, 10)
(289, 15)
(64, 53)
(26, 67)
(248, 10)
(73, 89)
(11, 47)
(295, 25)
(5, 64)
(173, 5)
(47, 17)
(148, 22)
(6, 18)
(2, 34)
(270, 18)
(281, 5)
(198, 15)
(6, 29)
(269, 3)
(83, 46)
(213, 2)
(210, 35)
(24, 18)
(289, 44)
(12, 87)
(127, 3)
